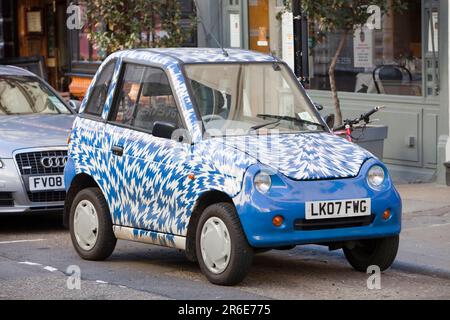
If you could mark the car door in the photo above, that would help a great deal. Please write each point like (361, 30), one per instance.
(146, 168)
(88, 134)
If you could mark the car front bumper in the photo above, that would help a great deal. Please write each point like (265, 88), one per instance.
(14, 197)
(287, 199)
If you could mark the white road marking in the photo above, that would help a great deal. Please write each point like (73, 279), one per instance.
(28, 263)
(51, 269)
(21, 241)
(101, 282)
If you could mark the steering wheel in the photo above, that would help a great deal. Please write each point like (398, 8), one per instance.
(211, 117)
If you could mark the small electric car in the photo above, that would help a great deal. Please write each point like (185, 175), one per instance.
(220, 153)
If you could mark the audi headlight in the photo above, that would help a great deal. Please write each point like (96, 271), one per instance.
(1, 164)
(263, 182)
(376, 176)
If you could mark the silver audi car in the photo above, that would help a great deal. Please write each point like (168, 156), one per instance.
(34, 126)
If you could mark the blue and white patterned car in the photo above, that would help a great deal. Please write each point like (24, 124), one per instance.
(221, 154)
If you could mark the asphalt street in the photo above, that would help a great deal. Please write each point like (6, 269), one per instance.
(37, 259)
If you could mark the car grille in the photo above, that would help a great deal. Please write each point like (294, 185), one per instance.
(6, 199)
(313, 225)
(30, 163)
(47, 196)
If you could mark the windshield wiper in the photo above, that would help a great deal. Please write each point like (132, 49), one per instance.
(260, 126)
(288, 118)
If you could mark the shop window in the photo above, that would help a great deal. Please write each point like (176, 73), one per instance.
(387, 61)
(82, 48)
(86, 51)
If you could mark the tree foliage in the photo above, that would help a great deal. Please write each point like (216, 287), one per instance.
(124, 24)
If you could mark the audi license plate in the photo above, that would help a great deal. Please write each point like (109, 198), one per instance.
(338, 209)
(46, 183)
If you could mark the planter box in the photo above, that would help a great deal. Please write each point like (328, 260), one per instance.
(447, 165)
(372, 139)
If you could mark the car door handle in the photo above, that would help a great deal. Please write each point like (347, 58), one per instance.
(117, 150)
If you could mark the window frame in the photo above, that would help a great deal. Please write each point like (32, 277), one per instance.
(114, 104)
(77, 65)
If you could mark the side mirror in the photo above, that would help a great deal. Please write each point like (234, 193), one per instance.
(318, 106)
(330, 119)
(163, 129)
(75, 105)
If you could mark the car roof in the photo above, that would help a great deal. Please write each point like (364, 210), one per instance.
(14, 71)
(204, 55)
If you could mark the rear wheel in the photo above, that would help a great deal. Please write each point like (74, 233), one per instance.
(375, 252)
(223, 253)
(90, 225)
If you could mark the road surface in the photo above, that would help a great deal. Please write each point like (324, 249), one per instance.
(36, 252)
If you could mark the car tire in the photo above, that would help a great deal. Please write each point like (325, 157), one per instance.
(94, 245)
(236, 250)
(376, 252)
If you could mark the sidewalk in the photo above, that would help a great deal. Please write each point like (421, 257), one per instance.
(424, 197)
(425, 239)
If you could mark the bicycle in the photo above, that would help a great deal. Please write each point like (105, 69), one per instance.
(349, 125)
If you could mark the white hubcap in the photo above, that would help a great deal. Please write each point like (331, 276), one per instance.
(215, 245)
(86, 225)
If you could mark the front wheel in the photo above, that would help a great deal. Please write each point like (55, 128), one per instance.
(376, 252)
(90, 225)
(223, 252)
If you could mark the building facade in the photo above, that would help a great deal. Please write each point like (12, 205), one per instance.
(31, 36)
(401, 62)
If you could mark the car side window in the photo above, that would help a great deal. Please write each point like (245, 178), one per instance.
(146, 97)
(100, 91)
(128, 95)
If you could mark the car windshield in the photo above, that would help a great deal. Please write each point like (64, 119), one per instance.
(240, 99)
(27, 95)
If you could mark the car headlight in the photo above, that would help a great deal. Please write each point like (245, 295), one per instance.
(376, 176)
(1, 164)
(263, 182)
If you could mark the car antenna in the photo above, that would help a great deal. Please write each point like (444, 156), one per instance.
(225, 53)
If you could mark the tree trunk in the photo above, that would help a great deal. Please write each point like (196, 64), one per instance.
(331, 73)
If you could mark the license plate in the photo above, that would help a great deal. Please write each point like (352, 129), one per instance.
(46, 183)
(338, 209)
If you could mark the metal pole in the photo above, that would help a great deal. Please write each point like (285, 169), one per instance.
(305, 49)
(297, 12)
(301, 42)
